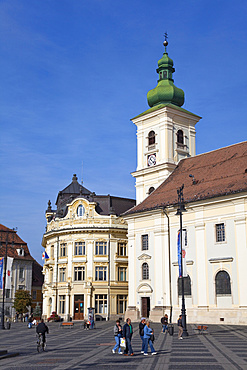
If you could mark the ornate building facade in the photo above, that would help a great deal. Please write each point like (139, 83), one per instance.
(86, 246)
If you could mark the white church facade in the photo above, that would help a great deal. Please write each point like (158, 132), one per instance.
(214, 223)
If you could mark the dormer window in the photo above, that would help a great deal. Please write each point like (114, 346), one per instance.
(151, 138)
(80, 211)
(20, 252)
(151, 190)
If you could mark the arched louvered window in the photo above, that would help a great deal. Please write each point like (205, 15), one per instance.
(151, 138)
(187, 286)
(151, 190)
(222, 283)
(80, 211)
(145, 271)
(180, 137)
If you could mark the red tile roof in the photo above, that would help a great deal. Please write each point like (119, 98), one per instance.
(217, 173)
(14, 242)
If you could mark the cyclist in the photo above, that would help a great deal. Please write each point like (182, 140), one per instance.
(42, 328)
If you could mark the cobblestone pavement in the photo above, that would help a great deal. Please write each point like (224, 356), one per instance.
(223, 347)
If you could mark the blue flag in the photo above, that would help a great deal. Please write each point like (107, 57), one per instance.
(44, 255)
(1, 272)
(179, 255)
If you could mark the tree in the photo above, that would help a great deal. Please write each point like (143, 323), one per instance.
(37, 311)
(22, 300)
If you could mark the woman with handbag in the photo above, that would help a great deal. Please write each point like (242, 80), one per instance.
(118, 335)
(148, 332)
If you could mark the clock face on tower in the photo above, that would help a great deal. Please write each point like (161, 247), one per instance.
(152, 160)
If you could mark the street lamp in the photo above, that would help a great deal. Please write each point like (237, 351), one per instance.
(179, 213)
(5, 269)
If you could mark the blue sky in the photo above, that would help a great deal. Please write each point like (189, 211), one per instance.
(74, 72)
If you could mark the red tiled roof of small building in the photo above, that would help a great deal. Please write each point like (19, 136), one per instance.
(14, 242)
(217, 173)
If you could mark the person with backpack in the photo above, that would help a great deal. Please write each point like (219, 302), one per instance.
(118, 335)
(164, 322)
(141, 332)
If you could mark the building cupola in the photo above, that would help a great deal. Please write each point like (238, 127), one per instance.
(165, 91)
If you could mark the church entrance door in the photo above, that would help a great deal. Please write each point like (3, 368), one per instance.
(79, 307)
(145, 306)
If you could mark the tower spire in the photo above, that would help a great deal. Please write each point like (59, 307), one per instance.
(165, 91)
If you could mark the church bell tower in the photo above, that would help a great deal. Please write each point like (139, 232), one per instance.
(165, 132)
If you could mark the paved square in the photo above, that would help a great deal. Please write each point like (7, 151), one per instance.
(224, 347)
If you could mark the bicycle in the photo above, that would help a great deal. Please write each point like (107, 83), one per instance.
(41, 346)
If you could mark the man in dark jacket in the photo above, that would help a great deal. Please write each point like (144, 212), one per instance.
(42, 328)
(141, 332)
(127, 335)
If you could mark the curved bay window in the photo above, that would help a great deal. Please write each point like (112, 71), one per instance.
(145, 271)
(222, 283)
(187, 286)
(180, 137)
(151, 138)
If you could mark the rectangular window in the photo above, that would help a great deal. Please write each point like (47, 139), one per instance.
(62, 274)
(121, 303)
(34, 295)
(100, 273)
(144, 242)
(62, 304)
(101, 248)
(52, 252)
(122, 273)
(122, 249)
(21, 287)
(7, 293)
(100, 303)
(80, 249)
(63, 250)
(220, 232)
(79, 273)
(21, 273)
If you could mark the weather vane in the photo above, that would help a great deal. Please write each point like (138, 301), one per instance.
(165, 43)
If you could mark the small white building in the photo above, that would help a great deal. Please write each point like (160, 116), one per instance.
(214, 224)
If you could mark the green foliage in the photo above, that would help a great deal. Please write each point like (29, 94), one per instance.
(37, 311)
(22, 300)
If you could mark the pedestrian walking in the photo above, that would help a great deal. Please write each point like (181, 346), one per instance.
(148, 332)
(180, 327)
(127, 335)
(141, 332)
(164, 322)
(118, 335)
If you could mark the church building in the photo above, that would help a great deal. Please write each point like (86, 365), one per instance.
(214, 219)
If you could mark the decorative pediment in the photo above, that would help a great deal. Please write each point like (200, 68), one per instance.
(144, 288)
(144, 256)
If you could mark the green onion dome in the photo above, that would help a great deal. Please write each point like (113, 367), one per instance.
(165, 91)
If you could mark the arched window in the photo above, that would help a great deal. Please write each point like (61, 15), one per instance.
(180, 137)
(151, 138)
(187, 286)
(223, 284)
(145, 271)
(80, 211)
(151, 190)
